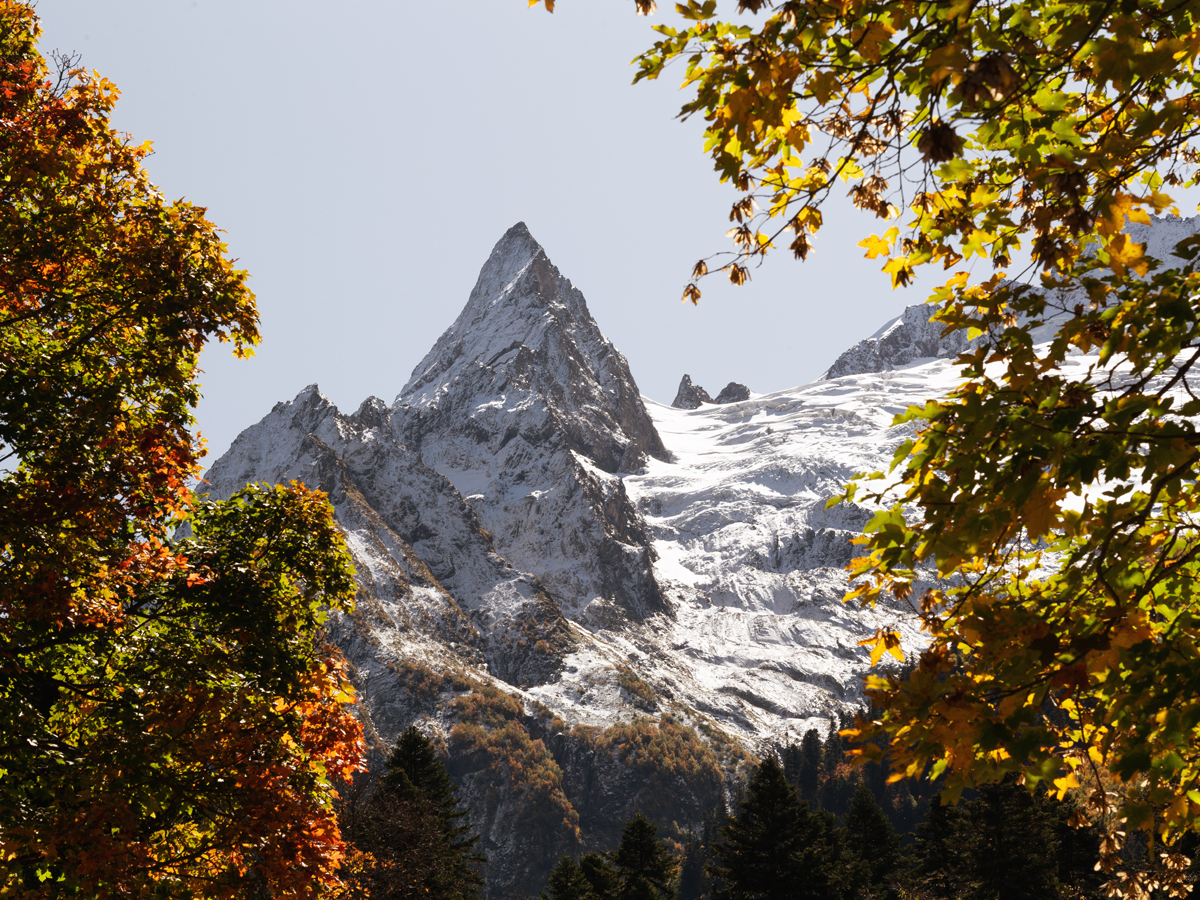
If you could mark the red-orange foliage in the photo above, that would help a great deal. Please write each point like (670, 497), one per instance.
(169, 720)
(491, 722)
(667, 756)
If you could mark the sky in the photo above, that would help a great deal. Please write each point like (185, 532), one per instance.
(364, 157)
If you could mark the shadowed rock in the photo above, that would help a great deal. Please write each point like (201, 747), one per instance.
(690, 396)
(733, 393)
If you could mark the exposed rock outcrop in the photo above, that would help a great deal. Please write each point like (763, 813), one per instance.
(689, 395)
(425, 563)
(733, 393)
(907, 339)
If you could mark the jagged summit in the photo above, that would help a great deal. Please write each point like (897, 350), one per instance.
(690, 395)
(532, 412)
(491, 312)
(734, 392)
(526, 331)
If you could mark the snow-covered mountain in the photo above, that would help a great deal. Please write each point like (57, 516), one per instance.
(560, 576)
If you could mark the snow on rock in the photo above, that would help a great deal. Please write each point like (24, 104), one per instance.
(911, 339)
(560, 525)
(533, 413)
(427, 569)
(907, 339)
(753, 561)
(1162, 234)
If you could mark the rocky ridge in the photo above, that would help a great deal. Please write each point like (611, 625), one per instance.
(690, 395)
(911, 339)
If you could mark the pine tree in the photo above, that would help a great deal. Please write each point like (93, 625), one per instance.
(600, 874)
(1012, 845)
(645, 869)
(938, 856)
(872, 848)
(693, 882)
(809, 775)
(774, 849)
(567, 882)
(413, 832)
(792, 760)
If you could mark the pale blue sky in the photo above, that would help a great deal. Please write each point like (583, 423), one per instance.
(364, 157)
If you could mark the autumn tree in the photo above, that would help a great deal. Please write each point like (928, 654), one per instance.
(170, 718)
(1052, 495)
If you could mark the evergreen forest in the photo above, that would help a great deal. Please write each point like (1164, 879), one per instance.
(805, 826)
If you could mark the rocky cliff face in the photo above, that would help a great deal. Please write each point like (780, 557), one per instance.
(532, 413)
(428, 570)
(598, 604)
(907, 339)
(690, 395)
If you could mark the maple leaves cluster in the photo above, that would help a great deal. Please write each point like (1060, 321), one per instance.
(170, 719)
(990, 123)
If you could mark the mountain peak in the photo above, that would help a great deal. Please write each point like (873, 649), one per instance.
(527, 331)
(512, 253)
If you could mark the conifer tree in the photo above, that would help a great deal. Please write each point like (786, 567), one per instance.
(1078, 850)
(693, 881)
(1012, 845)
(567, 882)
(774, 849)
(872, 848)
(809, 775)
(790, 756)
(644, 867)
(600, 874)
(413, 833)
(937, 853)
